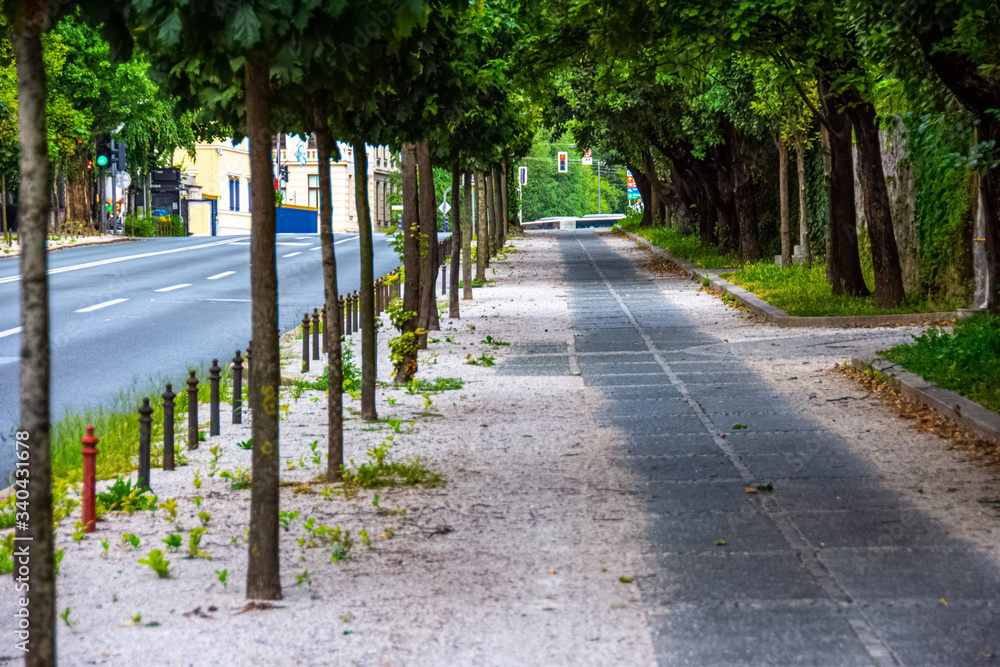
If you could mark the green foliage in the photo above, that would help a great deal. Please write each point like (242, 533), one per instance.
(382, 471)
(804, 291)
(966, 361)
(157, 564)
(7, 554)
(173, 541)
(439, 384)
(121, 496)
(683, 246)
(194, 542)
(482, 360)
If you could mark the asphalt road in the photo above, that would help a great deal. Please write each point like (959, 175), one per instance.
(130, 312)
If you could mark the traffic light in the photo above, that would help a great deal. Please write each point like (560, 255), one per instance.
(563, 162)
(90, 164)
(103, 150)
(522, 175)
(284, 173)
(117, 155)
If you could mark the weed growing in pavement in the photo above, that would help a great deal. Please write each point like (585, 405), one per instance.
(240, 478)
(204, 517)
(173, 541)
(121, 496)
(389, 399)
(65, 618)
(284, 518)
(304, 577)
(439, 384)
(194, 542)
(157, 564)
(381, 471)
(482, 360)
(246, 444)
(197, 479)
(495, 342)
(58, 558)
(317, 456)
(389, 532)
(78, 532)
(223, 575)
(197, 501)
(129, 538)
(105, 545)
(342, 543)
(170, 507)
(365, 539)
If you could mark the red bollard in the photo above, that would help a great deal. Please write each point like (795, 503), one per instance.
(89, 480)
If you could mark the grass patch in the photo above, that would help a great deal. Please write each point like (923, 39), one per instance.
(684, 246)
(117, 425)
(383, 471)
(966, 361)
(804, 291)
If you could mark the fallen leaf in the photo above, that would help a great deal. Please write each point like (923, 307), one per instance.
(749, 490)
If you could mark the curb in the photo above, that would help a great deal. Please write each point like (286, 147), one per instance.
(127, 239)
(966, 413)
(780, 317)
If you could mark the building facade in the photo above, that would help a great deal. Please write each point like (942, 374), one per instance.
(217, 184)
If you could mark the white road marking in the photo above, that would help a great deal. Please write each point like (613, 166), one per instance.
(173, 287)
(115, 260)
(241, 243)
(220, 275)
(10, 332)
(290, 243)
(355, 238)
(302, 237)
(292, 254)
(319, 247)
(101, 305)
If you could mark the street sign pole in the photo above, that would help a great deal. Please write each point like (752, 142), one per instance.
(114, 193)
(598, 186)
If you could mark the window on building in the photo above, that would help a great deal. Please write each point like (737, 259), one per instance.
(314, 190)
(234, 194)
(312, 141)
(249, 195)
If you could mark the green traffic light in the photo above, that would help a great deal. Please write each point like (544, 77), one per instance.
(102, 160)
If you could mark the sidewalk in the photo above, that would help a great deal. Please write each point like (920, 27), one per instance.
(14, 250)
(596, 508)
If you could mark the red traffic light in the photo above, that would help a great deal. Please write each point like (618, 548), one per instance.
(90, 164)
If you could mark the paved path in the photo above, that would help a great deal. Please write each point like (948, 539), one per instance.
(832, 568)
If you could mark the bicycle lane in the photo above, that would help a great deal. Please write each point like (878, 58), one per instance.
(834, 567)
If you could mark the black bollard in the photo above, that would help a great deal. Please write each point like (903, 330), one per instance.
(326, 331)
(214, 375)
(249, 368)
(237, 388)
(168, 428)
(378, 297)
(315, 325)
(145, 432)
(347, 315)
(305, 342)
(192, 383)
(357, 307)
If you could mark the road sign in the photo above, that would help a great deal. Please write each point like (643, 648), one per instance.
(633, 193)
(588, 158)
(444, 207)
(631, 180)
(563, 162)
(522, 175)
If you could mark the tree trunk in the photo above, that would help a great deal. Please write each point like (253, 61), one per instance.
(650, 171)
(456, 241)
(498, 208)
(369, 352)
(504, 203)
(407, 367)
(889, 290)
(34, 435)
(800, 166)
(786, 234)
(980, 94)
(482, 242)
(490, 214)
(467, 239)
(428, 243)
(843, 264)
(725, 201)
(334, 319)
(263, 574)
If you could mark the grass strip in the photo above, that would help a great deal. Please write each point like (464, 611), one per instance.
(683, 246)
(966, 361)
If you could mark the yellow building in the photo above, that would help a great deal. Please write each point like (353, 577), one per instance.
(218, 184)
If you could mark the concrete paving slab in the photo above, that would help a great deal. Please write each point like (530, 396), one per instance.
(707, 575)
